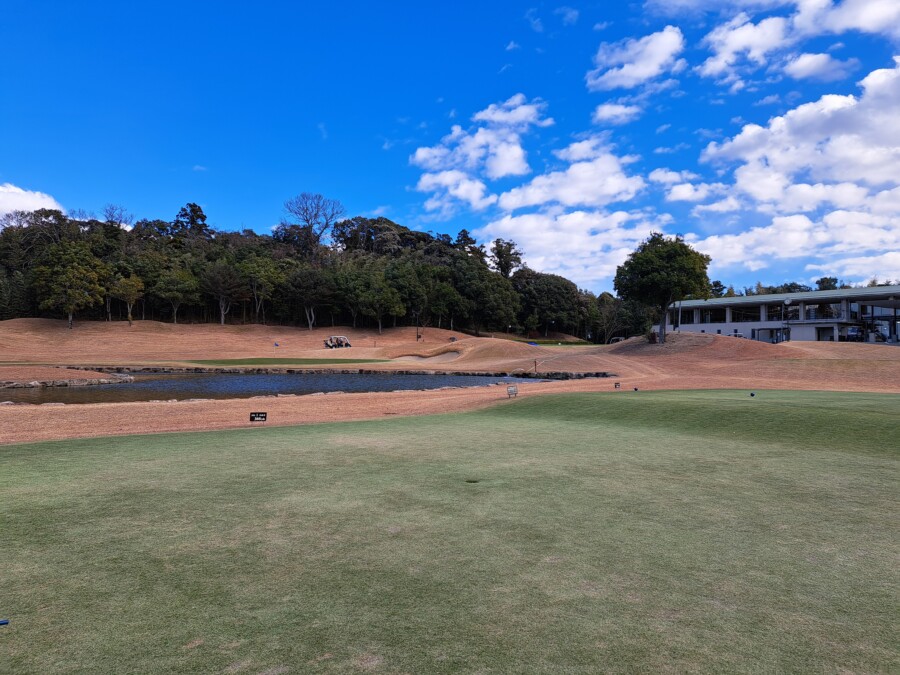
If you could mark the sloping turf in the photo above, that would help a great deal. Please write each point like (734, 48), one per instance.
(606, 532)
(273, 361)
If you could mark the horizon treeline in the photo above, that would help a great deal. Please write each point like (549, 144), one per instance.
(317, 268)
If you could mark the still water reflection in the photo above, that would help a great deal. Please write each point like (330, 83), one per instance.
(235, 385)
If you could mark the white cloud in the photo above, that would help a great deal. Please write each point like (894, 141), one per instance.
(585, 246)
(740, 38)
(495, 148)
(454, 185)
(688, 192)
(568, 15)
(837, 140)
(13, 198)
(590, 148)
(727, 205)
(616, 113)
(819, 67)
(632, 62)
(815, 17)
(861, 267)
(828, 241)
(771, 99)
(669, 177)
(515, 112)
(597, 182)
(663, 150)
(741, 45)
(602, 25)
(492, 149)
(512, 46)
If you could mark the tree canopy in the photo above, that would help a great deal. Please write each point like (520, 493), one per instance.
(661, 271)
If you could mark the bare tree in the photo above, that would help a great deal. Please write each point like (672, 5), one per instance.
(115, 213)
(314, 214)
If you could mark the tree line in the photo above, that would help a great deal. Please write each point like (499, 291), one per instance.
(316, 268)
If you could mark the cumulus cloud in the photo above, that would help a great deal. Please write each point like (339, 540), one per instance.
(669, 177)
(597, 182)
(494, 148)
(515, 112)
(689, 192)
(838, 141)
(860, 267)
(629, 63)
(828, 174)
(741, 45)
(585, 246)
(14, 198)
(727, 205)
(740, 39)
(819, 67)
(449, 186)
(615, 113)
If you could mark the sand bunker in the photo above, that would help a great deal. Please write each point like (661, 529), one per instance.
(439, 358)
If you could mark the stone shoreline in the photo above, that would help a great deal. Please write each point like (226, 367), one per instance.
(69, 382)
(548, 375)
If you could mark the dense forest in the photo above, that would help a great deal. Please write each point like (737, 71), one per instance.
(317, 268)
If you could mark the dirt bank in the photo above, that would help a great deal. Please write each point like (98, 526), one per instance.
(686, 362)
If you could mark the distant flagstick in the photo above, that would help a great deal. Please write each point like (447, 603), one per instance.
(274, 346)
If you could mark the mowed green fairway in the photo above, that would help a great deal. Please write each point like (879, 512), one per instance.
(705, 531)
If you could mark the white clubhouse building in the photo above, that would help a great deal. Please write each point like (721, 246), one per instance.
(847, 314)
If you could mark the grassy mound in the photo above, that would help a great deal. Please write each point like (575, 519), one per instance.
(607, 532)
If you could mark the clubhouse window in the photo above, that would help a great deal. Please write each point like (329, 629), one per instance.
(687, 316)
(716, 315)
(744, 314)
(814, 312)
(781, 312)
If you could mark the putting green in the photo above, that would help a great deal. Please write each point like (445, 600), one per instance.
(588, 532)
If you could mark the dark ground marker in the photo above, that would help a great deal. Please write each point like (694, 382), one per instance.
(471, 480)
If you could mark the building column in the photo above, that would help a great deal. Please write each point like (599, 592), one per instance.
(762, 313)
(837, 333)
(728, 315)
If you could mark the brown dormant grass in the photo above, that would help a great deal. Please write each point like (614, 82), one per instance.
(686, 361)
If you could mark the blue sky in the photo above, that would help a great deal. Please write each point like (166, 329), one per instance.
(767, 132)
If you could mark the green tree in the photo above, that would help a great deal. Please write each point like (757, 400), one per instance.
(661, 271)
(312, 287)
(222, 281)
(380, 299)
(505, 257)
(129, 290)
(70, 278)
(827, 284)
(177, 287)
(551, 298)
(263, 275)
(191, 221)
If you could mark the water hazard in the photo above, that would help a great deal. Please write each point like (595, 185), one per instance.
(181, 386)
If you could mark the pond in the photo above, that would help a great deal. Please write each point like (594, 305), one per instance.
(180, 386)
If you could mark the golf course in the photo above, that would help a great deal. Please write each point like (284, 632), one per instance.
(688, 521)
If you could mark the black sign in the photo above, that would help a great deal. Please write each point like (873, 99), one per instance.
(258, 417)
